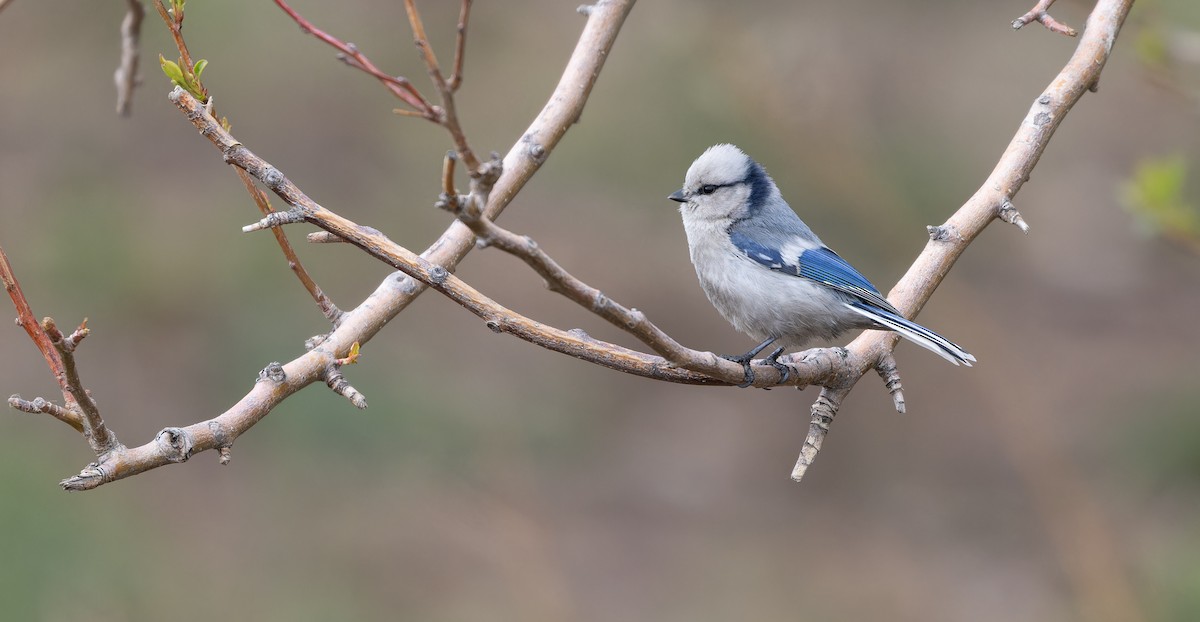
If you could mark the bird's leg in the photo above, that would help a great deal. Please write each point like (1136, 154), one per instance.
(784, 370)
(749, 356)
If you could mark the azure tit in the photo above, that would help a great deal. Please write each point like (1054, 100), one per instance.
(768, 274)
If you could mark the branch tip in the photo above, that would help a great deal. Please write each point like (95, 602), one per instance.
(823, 412)
(886, 368)
(338, 384)
(277, 219)
(1039, 13)
(1009, 214)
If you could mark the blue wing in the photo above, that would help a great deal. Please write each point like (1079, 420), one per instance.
(816, 264)
(823, 266)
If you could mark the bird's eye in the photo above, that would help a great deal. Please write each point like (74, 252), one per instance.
(708, 189)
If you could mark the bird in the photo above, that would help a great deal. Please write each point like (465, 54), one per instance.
(769, 275)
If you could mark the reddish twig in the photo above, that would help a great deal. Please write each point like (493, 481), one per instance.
(1039, 13)
(26, 320)
(81, 411)
(398, 85)
(174, 22)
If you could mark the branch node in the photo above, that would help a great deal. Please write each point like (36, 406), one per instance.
(535, 149)
(273, 372)
(175, 444)
(944, 233)
(493, 325)
(273, 178)
(602, 302)
(221, 439)
(1009, 214)
(438, 276)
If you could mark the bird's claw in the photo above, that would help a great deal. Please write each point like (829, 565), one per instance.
(748, 379)
(785, 372)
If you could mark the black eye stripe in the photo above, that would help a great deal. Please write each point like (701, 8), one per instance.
(711, 188)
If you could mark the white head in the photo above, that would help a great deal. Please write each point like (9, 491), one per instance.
(723, 184)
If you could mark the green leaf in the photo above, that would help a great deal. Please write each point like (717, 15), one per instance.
(171, 68)
(198, 68)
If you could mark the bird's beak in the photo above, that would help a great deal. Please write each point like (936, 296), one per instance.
(678, 196)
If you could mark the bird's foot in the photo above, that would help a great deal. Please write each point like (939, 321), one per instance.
(744, 361)
(784, 371)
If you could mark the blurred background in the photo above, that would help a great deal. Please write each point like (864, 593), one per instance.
(1059, 479)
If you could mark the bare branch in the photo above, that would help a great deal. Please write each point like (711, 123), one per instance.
(1039, 14)
(497, 317)
(396, 292)
(951, 239)
(126, 75)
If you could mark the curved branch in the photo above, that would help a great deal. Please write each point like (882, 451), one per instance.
(916, 287)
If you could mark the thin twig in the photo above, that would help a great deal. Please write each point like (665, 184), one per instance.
(399, 86)
(460, 46)
(328, 309)
(1039, 13)
(711, 368)
(27, 321)
(126, 75)
(449, 112)
(40, 405)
